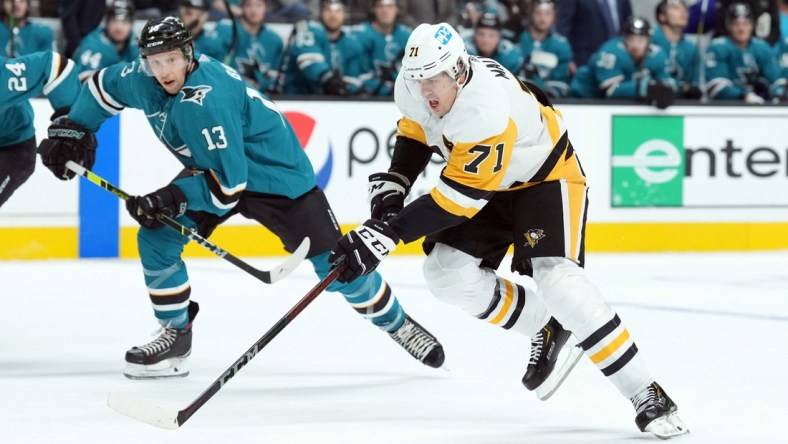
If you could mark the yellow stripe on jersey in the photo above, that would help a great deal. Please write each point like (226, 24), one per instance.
(551, 121)
(452, 207)
(411, 130)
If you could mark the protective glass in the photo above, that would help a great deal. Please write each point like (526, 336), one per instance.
(432, 88)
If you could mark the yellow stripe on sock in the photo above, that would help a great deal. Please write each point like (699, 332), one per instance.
(611, 348)
(506, 303)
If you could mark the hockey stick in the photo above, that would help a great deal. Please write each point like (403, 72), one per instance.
(267, 276)
(14, 30)
(169, 418)
(228, 59)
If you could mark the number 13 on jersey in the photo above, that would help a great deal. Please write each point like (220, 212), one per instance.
(215, 133)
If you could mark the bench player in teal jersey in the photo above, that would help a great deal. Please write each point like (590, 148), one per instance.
(109, 44)
(241, 156)
(23, 78)
(29, 37)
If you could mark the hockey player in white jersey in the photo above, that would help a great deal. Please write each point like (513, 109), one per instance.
(512, 177)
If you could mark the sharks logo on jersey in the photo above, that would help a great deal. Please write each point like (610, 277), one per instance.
(195, 94)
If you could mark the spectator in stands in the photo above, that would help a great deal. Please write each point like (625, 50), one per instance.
(587, 24)
(257, 53)
(29, 37)
(783, 19)
(323, 58)
(766, 18)
(627, 67)
(79, 18)
(470, 15)
(110, 44)
(487, 42)
(546, 53)
(287, 10)
(383, 41)
(683, 57)
(219, 8)
(194, 14)
(740, 66)
(155, 8)
(416, 12)
(518, 19)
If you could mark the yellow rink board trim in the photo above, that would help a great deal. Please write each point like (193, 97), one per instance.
(252, 241)
(39, 243)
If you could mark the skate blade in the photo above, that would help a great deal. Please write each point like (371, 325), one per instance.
(666, 427)
(570, 355)
(168, 368)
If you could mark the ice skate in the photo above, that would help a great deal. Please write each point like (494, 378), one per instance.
(419, 343)
(657, 413)
(165, 356)
(554, 353)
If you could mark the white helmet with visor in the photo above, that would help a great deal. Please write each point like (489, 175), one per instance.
(435, 57)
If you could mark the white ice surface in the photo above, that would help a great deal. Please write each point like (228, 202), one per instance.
(712, 327)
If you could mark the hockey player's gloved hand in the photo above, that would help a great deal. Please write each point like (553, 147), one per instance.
(752, 98)
(387, 193)
(691, 92)
(363, 249)
(332, 84)
(660, 94)
(168, 201)
(67, 140)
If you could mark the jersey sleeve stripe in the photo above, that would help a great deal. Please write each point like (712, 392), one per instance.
(553, 127)
(446, 198)
(103, 99)
(59, 73)
(305, 60)
(222, 197)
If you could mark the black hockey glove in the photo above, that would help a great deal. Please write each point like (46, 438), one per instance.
(363, 248)
(387, 193)
(332, 84)
(168, 201)
(660, 94)
(67, 140)
(691, 92)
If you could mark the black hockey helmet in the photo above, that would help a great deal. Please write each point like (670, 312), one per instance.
(637, 26)
(489, 20)
(662, 7)
(196, 4)
(165, 34)
(738, 11)
(121, 10)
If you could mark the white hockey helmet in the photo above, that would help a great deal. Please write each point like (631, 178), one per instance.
(433, 49)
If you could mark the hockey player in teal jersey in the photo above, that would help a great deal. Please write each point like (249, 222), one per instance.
(383, 41)
(683, 57)
(110, 44)
(30, 37)
(627, 67)
(487, 42)
(194, 13)
(241, 156)
(24, 78)
(258, 50)
(323, 58)
(546, 53)
(740, 66)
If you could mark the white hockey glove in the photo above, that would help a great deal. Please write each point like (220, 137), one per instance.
(753, 99)
(363, 248)
(387, 193)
